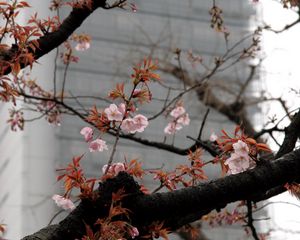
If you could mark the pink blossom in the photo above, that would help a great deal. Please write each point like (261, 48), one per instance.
(172, 127)
(136, 124)
(136, 92)
(241, 148)
(134, 232)
(184, 119)
(97, 145)
(122, 108)
(115, 113)
(180, 118)
(87, 132)
(62, 202)
(238, 163)
(141, 122)
(177, 112)
(114, 169)
(119, 167)
(213, 137)
(82, 46)
(128, 125)
(16, 120)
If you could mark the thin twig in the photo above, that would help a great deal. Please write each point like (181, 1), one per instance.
(243, 88)
(250, 220)
(64, 79)
(203, 123)
(270, 203)
(55, 71)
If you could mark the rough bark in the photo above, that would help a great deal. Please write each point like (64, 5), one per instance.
(179, 207)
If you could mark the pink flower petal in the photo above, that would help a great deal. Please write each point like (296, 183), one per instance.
(213, 137)
(172, 127)
(114, 169)
(97, 145)
(177, 112)
(87, 132)
(141, 122)
(241, 147)
(82, 46)
(62, 202)
(115, 113)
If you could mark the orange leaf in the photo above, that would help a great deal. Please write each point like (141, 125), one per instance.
(250, 140)
(16, 68)
(263, 147)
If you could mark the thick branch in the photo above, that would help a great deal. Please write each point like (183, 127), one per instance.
(54, 39)
(182, 206)
(292, 133)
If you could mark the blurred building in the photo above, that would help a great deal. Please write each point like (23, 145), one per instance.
(119, 40)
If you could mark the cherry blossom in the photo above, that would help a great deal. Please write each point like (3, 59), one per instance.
(97, 145)
(179, 118)
(136, 124)
(141, 122)
(115, 113)
(87, 132)
(122, 108)
(177, 112)
(241, 148)
(238, 163)
(172, 127)
(136, 92)
(213, 137)
(114, 169)
(128, 125)
(134, 232)
(184, 119)
(16, 120)
(62, 202)
(82, 46)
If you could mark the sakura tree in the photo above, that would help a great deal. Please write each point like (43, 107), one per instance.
(114, 204)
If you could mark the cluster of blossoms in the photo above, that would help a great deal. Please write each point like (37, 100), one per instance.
(136, 124)
(53, 112)
(243, 151)
(83, 41)
(96, 145)
(224, 217)
(179, 119)
(130, 125)
(115, 118)
(115, 114)
(239, 160)
(64, 203)
(16, 120)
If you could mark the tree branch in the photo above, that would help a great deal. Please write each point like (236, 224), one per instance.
(179, 207)
(54, 39)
